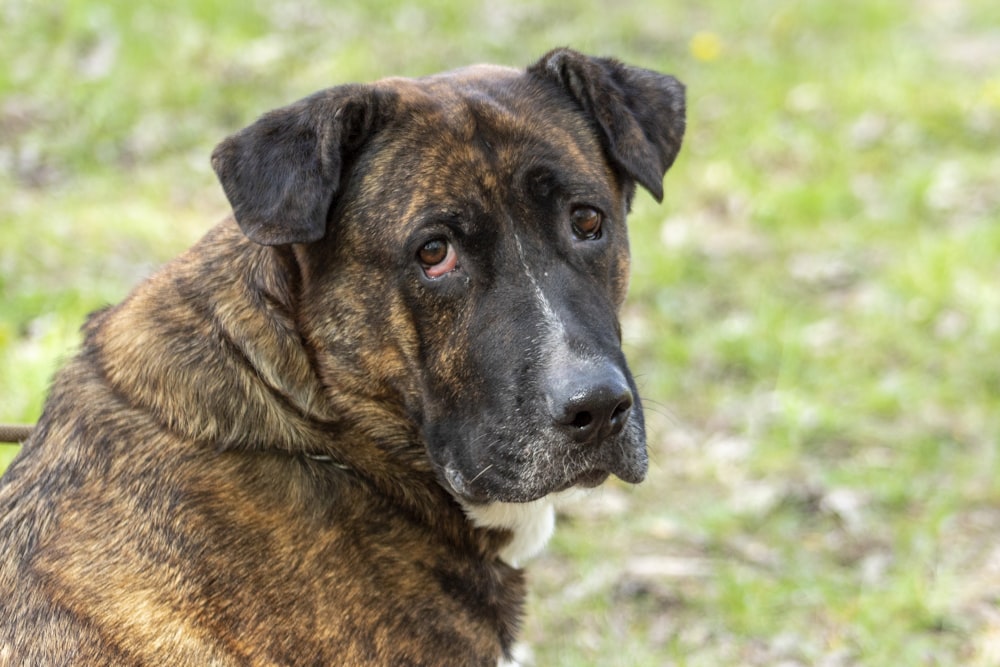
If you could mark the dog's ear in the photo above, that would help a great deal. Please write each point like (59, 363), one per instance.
(639, 113)
(281, 174)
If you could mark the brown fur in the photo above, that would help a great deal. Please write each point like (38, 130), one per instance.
(234, 469)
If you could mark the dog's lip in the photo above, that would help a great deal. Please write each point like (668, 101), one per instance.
(591, 478)
(463, 488)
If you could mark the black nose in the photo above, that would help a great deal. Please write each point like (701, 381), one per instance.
(592, 404)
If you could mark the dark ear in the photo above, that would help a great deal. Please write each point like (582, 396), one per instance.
(639, 113)
(281, 173)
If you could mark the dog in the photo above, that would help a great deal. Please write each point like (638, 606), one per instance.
(331, 431)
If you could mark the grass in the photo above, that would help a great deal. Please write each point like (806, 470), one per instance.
(814, 315)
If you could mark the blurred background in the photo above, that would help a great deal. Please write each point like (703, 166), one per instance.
(814, 315)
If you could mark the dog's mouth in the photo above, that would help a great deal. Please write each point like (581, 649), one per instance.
(589, 479)
(466, 489)
(491, 485)
(516, 460)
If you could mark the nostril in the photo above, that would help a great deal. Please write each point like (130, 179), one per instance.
(620, 416)
(624, 405)
(582, 419)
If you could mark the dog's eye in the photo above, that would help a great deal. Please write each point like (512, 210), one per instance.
(438, 257)
(586, 222)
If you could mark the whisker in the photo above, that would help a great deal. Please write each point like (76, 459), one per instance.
(481, 473)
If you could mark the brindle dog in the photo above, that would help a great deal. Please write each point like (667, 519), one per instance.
(330, 431)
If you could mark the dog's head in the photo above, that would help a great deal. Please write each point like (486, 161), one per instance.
(478, 216)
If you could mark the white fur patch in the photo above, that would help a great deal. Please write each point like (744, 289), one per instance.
(531, 523)
(521, 654)
(557, 330)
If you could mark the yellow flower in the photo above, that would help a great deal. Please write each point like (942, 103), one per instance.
(706, 46)
(990, 92)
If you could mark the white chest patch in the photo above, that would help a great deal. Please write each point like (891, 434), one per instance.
(531, 523)
(515, 662)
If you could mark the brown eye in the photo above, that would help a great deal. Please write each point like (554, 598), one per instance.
(433, 252)
(586, 223)
(438, 257)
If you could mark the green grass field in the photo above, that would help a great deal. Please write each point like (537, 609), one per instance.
(814, 316)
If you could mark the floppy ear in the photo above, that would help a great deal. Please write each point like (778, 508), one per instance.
(281, 174)
(639, 113)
